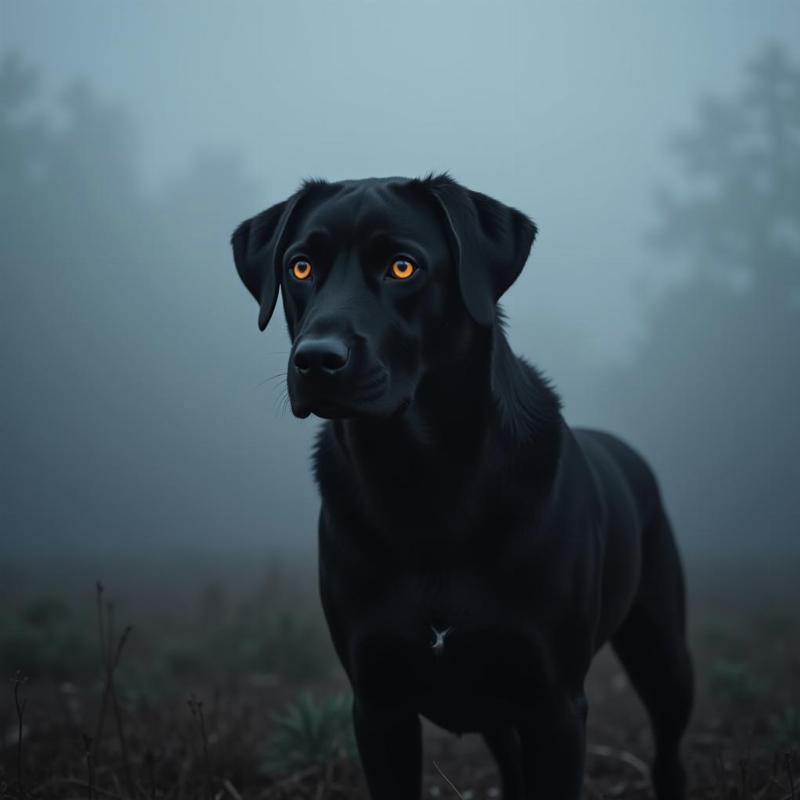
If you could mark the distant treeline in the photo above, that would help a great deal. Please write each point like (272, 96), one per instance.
(117, 415)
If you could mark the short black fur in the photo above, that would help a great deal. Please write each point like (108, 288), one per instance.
(475, 551)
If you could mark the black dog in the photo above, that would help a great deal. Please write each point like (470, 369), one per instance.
(475, 552)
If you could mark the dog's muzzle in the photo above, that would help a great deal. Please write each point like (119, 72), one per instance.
(330, 380)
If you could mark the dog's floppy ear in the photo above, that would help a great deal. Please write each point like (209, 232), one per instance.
(256, 243)
(491, 242)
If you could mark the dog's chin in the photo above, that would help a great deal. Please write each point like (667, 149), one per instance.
(338, 409)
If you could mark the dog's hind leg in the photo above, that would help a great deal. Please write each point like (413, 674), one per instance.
(651, 644)
(553, 736)
(503, 743)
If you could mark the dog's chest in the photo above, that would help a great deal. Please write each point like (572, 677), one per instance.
(450, 644)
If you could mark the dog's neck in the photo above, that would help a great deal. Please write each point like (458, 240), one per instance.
(527, 408)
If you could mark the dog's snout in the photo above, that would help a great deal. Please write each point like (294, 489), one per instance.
(323, 355)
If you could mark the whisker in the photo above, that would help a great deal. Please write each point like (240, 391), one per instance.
(277, 399)
(283, 401)
(271, 378)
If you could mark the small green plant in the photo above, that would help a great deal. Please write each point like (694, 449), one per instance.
(786, 729)
(734, 681)
(311, 732)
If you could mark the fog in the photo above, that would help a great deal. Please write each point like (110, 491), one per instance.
(657, 147)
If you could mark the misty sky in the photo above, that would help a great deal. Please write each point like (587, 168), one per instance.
(563, 110)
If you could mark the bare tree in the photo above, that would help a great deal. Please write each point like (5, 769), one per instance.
(739, 224)
(713, 395)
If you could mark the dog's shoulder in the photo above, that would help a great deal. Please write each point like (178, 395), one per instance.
(615, 461)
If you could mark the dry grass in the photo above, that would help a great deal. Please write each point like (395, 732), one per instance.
(204, 729)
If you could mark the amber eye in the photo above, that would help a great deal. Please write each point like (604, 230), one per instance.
(402, 269)
(301, 269)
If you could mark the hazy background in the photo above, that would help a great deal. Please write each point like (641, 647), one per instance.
(656, 145)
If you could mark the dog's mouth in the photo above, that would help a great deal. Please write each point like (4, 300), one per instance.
(366, 399)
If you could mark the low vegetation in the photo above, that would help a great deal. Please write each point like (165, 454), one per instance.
(242, 698)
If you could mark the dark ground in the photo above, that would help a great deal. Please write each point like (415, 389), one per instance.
(210, 692)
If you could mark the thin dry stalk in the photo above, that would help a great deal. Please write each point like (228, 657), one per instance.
(196, 707)
(150, 762)
(324, 785)
(719, 773)
(118, 713)
(623, 756)
(87, 744)
(289, 781)
(110, 661)
(19, 683)
(101, 715)
(101, 792)
(231, 790)
(452, 785)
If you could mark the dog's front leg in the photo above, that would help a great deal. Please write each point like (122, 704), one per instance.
(554, 747)
(390, 745)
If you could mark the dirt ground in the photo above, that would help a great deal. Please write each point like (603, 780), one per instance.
(209, 698)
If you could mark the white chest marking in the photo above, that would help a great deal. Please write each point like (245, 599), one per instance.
(438, 642)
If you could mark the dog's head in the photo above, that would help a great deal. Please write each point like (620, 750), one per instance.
(382, 280)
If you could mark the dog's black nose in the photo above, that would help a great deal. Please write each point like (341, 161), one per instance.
(322, 356)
